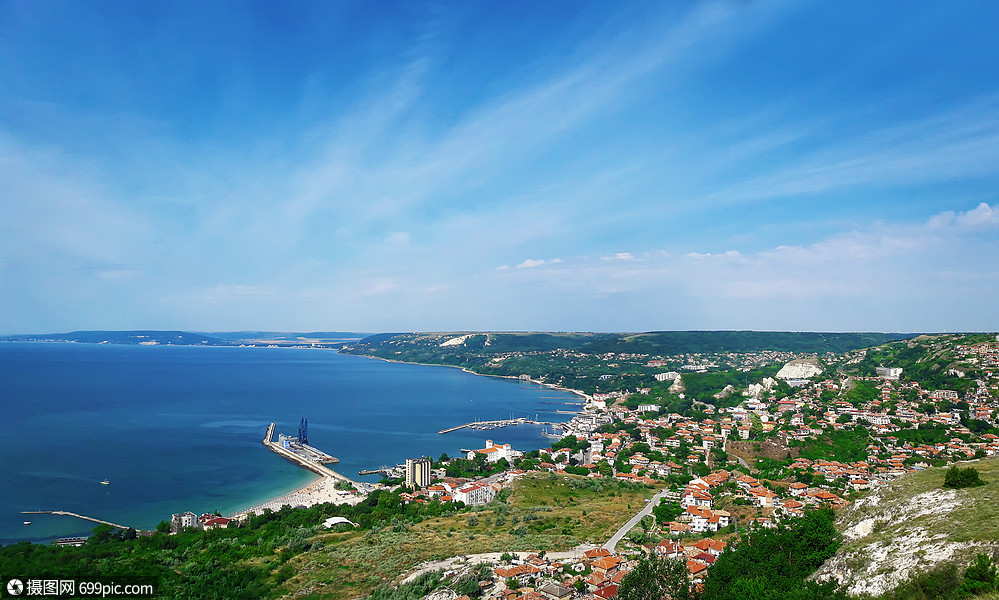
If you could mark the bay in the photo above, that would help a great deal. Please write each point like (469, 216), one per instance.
(177, 428)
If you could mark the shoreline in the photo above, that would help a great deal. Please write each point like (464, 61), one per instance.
(319, 491)
(550, 386)
(322, 490)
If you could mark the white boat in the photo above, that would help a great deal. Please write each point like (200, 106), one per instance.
(105, 482)
(27, 522)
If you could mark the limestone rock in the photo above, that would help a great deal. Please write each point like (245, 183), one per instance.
(802, 368)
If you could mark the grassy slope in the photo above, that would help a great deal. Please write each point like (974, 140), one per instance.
(354, 563)
(976, 518)
(914, 523)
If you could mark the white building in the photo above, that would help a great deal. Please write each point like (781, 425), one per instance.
(476, 493)
(892, 373)
(494, 452)
(181, 520)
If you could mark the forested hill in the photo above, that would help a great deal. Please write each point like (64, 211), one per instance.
(655, 343)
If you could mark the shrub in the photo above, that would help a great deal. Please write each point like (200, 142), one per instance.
(958, 478)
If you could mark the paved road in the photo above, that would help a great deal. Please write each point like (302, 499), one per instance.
(749, 469)
(647, 510)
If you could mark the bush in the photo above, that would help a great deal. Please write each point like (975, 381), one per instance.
(958, 478)
(939, 583)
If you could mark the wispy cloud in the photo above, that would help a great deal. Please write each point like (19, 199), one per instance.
(645, 146)
(954, 144)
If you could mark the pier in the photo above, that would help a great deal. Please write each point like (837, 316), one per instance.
(303, 455)
(499, 423)
(73, 514)
(389, 472)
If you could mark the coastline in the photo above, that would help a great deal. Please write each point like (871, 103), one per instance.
(550, 386)
(320, 490)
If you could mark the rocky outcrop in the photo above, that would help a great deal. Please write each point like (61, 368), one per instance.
(757, 390)
(725, 393)
(677, 387)
(802, 368)
(910, 526)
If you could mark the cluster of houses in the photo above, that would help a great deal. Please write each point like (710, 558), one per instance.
(184, 520)
(596, 575)
(814, 408)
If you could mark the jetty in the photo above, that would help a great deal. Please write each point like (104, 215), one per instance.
(499, 423)
(66, 513)
(303, 454)
(390, 472)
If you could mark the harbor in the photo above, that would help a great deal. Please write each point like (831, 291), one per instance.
(502, 423)
(298, 451)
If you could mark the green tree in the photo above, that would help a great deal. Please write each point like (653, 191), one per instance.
(656, 578)
(101, 534)
(981, 576)
(163, 527)
(774, 563)
(666, 511)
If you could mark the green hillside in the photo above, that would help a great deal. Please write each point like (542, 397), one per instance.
(650, 343)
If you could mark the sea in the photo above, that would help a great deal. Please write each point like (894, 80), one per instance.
(178, 428)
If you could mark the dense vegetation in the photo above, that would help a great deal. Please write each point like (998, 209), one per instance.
(652, 343)
(656, 578)
(238, 562)
(931, 363)
(674, 342)
(844, 445)
(774, 563)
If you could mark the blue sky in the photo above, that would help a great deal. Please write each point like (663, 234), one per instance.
(819, 166)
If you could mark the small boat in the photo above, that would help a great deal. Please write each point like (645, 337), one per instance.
(27, 522)
(105, 482)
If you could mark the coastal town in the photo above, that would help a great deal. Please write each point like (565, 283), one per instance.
(811, 436)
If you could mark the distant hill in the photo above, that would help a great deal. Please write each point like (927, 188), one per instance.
(289, 336)
(186, 338)
(651, 343)
(168, 338)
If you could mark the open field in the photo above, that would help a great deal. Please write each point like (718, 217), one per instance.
(541, 513)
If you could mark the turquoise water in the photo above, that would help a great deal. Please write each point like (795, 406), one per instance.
(179, 428)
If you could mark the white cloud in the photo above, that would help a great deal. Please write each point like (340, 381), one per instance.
(883, 277)
(980, 217)
(529, 263)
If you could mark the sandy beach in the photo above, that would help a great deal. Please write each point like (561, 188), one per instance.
(318, 492)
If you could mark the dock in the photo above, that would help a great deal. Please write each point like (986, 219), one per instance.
(499, 423)
(66, 513)
(389, 472)
(304, 456)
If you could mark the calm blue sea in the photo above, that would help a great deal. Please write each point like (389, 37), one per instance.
(179, 428)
